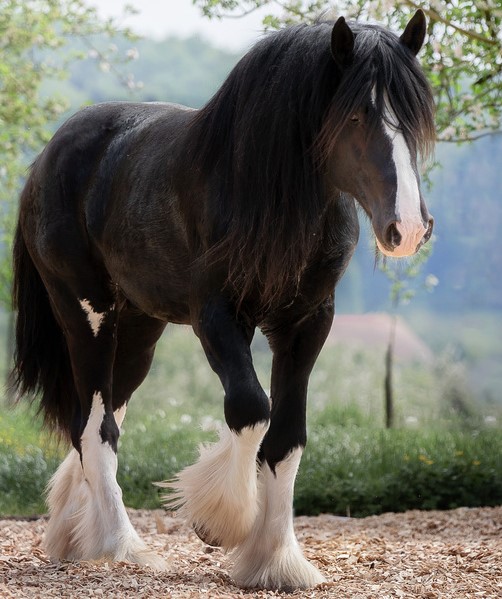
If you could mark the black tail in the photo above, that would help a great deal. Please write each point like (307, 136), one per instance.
(41, 361)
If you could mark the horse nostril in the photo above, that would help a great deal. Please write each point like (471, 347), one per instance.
(392, 236)
(428, 233)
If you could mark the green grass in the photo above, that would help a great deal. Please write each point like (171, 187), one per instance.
(28, 457)
(440, 456)
(360, 471)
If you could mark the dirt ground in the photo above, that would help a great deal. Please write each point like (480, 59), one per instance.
(431, 555)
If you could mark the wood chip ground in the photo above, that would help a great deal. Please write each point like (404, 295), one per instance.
(430, 555)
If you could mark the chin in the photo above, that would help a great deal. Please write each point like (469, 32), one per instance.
(397, 252)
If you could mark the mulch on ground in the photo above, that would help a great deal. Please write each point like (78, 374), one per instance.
(431, 555)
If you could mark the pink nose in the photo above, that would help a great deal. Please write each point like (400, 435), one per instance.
(404, 239)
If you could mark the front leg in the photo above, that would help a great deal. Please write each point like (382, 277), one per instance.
(271, 557)
(218, 494)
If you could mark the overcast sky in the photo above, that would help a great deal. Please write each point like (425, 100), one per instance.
(160, 18)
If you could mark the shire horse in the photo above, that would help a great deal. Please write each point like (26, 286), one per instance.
(239, 215)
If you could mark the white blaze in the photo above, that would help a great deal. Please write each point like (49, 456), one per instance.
(408, 215)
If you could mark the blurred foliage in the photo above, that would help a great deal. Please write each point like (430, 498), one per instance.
(32, 35)
(359, 472)
(347, 466)
(462, 58)
(403, 287)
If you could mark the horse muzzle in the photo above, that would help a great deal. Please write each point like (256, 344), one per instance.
(404, 239)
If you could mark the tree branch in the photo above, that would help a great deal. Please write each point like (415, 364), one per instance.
(430, 12)
(290, 9)
(457, 140)
(241, 15)
(488, 76)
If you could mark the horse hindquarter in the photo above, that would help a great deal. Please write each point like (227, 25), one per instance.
(88, 519)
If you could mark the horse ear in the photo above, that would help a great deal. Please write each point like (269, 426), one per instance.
(342, 43)
(414, 34)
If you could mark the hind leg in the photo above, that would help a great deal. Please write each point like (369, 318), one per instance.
(137, 337)
(218, 494)
(88, 519)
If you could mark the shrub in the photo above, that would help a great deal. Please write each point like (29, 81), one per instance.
(364, 472)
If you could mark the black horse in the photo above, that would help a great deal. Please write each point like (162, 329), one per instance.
(236, 216)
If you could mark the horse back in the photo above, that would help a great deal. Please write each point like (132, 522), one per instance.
(103, 190)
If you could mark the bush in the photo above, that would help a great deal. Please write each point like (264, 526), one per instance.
(27, 460)
(362, 472)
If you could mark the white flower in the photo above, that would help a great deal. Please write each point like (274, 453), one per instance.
(132, 54)
(431, 281)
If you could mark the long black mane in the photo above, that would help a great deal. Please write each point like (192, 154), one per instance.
(260, 144)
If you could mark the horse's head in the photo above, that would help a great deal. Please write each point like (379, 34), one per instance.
(384, 119)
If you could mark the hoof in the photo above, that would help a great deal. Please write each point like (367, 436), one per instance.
(285, 570)
(146, 557)
(205, 537)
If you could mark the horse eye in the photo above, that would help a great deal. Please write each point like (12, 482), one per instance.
(354, 118)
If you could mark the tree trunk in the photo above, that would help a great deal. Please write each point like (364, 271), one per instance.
(389, 365)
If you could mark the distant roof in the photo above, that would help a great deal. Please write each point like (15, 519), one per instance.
(371, 331)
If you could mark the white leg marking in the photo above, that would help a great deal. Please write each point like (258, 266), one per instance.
(95, 319)
(409, 217)
(88, 519)
(270, 557)
(218, 494)
(120, 415)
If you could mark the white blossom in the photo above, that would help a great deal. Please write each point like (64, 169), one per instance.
(132, 53)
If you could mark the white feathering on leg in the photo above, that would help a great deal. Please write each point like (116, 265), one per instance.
(270, 557)
(218, 494)
(88, 520)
